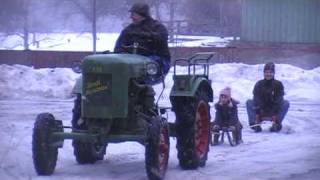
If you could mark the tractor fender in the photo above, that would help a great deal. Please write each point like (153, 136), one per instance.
(193, 85)
(77, 89)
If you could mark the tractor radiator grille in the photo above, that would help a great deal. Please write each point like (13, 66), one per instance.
(98, 89)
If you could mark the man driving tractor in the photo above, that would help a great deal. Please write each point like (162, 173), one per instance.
(148, 36)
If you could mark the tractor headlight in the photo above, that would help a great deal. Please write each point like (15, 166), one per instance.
(152, 69)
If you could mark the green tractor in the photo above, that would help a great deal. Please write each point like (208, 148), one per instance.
(115, 104)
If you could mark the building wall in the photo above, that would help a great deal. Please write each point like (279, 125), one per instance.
(296, 21)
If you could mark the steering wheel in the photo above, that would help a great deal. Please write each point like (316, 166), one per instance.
(134, 48)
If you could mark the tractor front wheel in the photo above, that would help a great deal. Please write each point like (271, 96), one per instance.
(157, 148)
(44, 155)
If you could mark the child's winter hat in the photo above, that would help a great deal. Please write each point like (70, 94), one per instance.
(269, 66)
(226, 91)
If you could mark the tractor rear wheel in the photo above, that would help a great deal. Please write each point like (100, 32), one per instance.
(44, 155)
(157, 148)
(193, 129)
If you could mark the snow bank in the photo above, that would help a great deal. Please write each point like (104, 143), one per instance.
(23, 82)
(300, 85)
(26, 82)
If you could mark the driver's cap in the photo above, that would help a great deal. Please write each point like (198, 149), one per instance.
(140, 8)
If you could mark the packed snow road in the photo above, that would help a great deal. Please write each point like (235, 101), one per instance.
(294, 153)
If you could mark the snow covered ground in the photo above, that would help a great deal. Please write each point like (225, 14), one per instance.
(292, 154)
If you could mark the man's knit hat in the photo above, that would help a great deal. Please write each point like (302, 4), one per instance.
(269, 66)
(141, 8)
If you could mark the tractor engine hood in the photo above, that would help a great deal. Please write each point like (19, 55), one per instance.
(105, 83)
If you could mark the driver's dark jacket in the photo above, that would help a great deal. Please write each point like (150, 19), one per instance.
(268, 96)
(151, 35)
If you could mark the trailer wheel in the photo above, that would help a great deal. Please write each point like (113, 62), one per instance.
(193, 129)
(44, 155)
(157, 148)
(85, 152)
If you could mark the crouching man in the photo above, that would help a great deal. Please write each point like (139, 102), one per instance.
(227, 116)
(268, 102)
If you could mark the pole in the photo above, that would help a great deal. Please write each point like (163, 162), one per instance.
(94, 26)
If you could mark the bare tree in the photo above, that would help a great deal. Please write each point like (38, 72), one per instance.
(9, 12)
(92, 10)
(11, 15)
(18, 18)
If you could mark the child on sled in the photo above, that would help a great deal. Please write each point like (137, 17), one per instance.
(227, 117)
